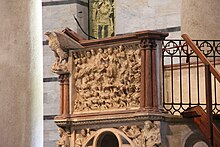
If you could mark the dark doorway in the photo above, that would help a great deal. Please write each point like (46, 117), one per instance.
(108, 139)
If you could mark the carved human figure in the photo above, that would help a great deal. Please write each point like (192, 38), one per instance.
(151, 134)
(81, 138)
(112, 67)
(64, 139)
(103, 13)
(134, 133)
(104, 80)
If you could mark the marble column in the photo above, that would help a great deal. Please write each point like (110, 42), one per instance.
(201, 19)
(21, 73)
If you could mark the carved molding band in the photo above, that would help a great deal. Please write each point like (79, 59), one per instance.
(107, 78)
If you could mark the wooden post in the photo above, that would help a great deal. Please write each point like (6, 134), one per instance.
(209, 102)
(148, 80)
(142, 98)
(155, 83)
(149, 85)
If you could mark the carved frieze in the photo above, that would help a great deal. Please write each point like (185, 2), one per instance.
(148, 136)
(107, 78)
(151, 134)
(82, 137)
(134, 133)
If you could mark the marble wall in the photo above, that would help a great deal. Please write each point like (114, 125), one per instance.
(57, 15)
(137, 15)
(21, 86)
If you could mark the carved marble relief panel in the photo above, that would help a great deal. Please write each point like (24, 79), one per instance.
(147, 135)
(102, 18)
(107, 78)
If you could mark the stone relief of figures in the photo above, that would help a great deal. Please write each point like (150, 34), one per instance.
(151, 134)
(134, 133)
(81, 137)
(64, 139)
(107, 78)
(148, 136)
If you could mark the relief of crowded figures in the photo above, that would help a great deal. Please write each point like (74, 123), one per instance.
(107, 78)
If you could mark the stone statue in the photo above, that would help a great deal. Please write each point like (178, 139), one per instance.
(81, 138)
(151, 134)
(59, 44)
(64, 139)
(103, 15)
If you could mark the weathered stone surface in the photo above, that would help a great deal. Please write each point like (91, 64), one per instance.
(48, 60)
(58, 17)
(50, 133)
(201, 19)
(21, 86)
(150, 14)
(51, 98)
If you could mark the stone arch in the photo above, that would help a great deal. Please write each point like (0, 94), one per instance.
(117, 133)
(107, 139)
(193, 139)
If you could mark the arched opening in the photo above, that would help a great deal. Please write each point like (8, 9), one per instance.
(195, 140)
(107, 139)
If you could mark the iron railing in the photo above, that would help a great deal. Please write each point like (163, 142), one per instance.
(184, 75)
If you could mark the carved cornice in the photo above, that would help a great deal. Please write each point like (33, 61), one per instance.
(133, 37)
(79, 122)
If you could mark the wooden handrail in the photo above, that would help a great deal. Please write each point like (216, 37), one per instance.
(208, 117)
(201, 56)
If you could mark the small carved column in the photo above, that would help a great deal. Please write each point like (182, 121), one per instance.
(61, 93)
(149, 84)
(66, 95)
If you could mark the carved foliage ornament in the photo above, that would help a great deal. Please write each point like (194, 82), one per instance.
(148, 44)
(107, 78)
